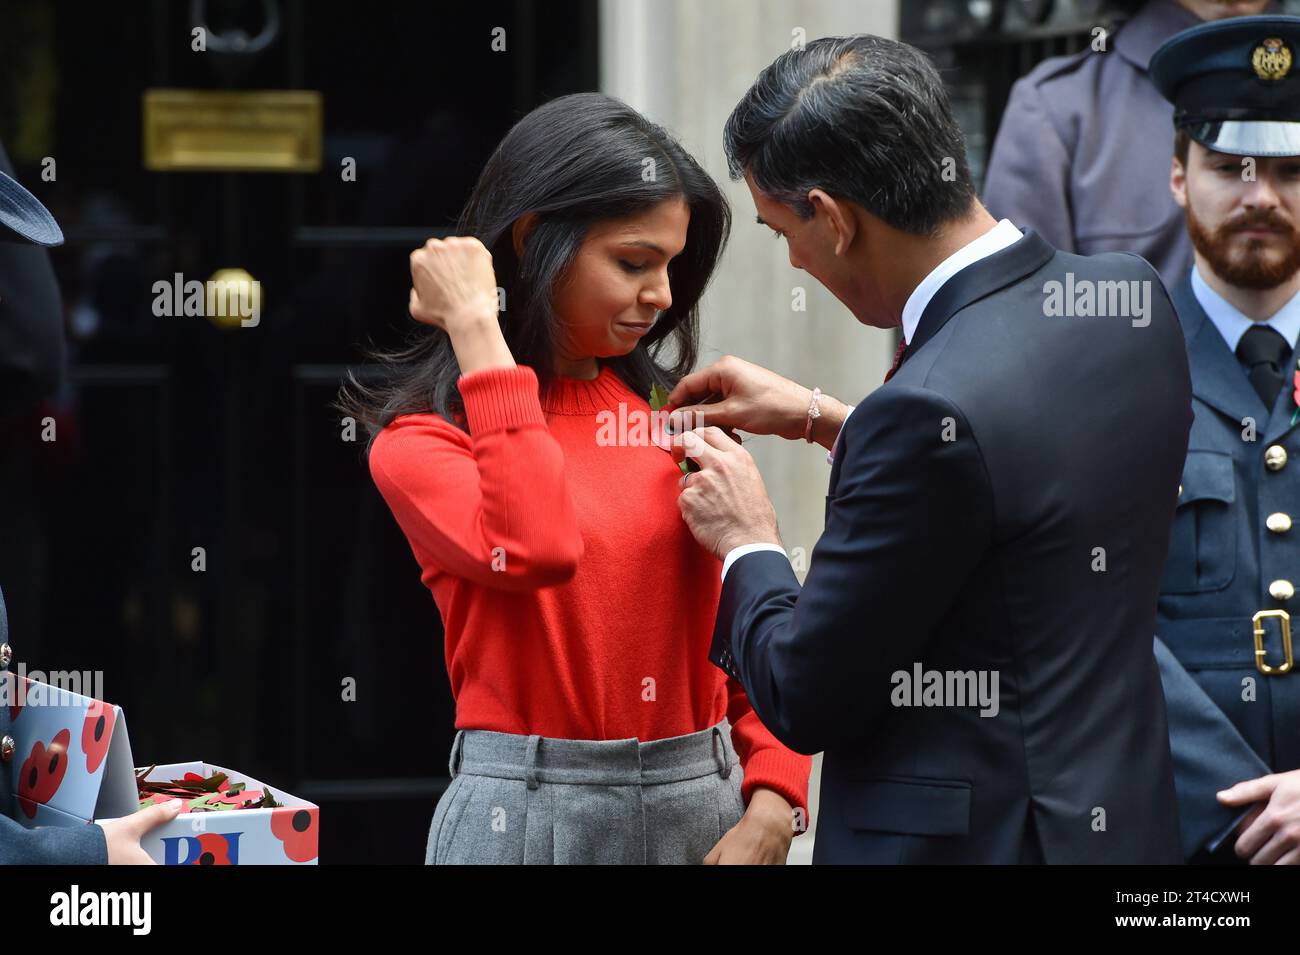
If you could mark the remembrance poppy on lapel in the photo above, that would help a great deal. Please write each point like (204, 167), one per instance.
(1295, 394)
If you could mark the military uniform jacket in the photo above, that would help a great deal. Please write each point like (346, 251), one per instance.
(81, 845)
(1233, 553)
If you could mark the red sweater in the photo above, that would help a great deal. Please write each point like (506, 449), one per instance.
(576, 603)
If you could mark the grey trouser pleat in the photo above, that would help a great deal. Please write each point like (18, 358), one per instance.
(537, 800)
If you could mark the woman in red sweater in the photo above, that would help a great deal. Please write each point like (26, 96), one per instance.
(514, 444)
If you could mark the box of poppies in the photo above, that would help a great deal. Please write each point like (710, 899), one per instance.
(72, 765)
(228, 818)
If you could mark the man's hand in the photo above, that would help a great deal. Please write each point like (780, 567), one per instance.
(752, 399)
(122, 836)
(725, 503)
(1270, 835)
(763, 835)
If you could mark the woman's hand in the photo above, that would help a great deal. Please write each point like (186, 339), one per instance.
(763, 835)
(453, 286)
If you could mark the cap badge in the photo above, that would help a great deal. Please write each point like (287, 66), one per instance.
(1271, 59)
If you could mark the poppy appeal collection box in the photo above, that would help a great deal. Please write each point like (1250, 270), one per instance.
(72, 765)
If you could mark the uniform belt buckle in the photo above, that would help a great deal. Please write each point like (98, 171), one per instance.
(1284, 621)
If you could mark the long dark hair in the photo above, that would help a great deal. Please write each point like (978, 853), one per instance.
(575, 161)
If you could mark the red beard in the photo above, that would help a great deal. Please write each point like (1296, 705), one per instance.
(1249, 268)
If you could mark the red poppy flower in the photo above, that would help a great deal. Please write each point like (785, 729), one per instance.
(96, 732)
(214, 849)
(297, 829)
(42, 772)
(226, 798)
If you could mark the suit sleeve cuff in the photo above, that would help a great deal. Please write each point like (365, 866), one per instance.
(736, 553)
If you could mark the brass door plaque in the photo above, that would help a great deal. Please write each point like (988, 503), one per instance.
(254, 131)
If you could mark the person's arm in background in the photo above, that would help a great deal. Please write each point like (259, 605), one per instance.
(1028, 179)
(70, 845)
(115, 841)
(112, 842)
(490, 506)
(1209, 756)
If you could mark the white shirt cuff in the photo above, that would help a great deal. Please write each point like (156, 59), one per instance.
(830, 455)
(736, 553)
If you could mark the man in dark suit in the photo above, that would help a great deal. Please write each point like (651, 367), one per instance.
(972, 645)
(1229, 586)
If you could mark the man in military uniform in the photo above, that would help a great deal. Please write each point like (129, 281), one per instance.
(32, 349)
(1229, 587)
(1082, 151)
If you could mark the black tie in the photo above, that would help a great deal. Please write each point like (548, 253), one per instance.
(1264, 353)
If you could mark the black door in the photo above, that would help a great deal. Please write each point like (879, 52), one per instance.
(200, 531)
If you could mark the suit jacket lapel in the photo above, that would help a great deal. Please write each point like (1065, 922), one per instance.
(1002, 268)
(1217, 377)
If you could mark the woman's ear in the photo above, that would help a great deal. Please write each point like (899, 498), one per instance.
(520, 231)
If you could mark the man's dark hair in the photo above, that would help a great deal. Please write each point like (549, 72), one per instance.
(861, 117)
(1182, 145)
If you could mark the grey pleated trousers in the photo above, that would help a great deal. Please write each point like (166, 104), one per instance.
(537, 801)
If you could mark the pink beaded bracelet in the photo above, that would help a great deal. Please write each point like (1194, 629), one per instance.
(813, 412)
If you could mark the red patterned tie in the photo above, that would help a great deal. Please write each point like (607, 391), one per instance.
(898, 359)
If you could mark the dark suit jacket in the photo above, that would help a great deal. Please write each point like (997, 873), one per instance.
(1002, 504)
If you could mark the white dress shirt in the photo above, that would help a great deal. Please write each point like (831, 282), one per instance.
(995, 240)
(1232, 324)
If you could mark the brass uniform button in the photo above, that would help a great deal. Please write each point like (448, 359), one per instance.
(1275, 457)
(6, 654)
(6, 749)
(1180, 490)
(1281, 590)
(1278, 523)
